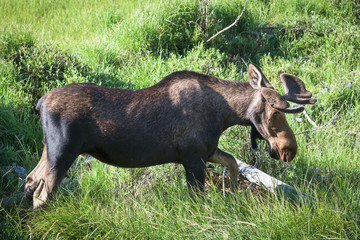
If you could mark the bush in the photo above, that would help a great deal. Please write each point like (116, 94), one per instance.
(40, 68)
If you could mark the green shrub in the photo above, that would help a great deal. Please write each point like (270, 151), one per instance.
(41, 68)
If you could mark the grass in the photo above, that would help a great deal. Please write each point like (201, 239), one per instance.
(133, 44)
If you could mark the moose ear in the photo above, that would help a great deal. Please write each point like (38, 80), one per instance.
(256, 78)
(274, 99)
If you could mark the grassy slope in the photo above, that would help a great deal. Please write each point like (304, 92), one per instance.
(134, 44)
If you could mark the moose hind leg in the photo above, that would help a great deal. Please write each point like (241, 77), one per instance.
(228, 161)
(34, 178)
(43, 182)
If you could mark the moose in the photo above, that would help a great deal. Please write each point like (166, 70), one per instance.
(179, 120)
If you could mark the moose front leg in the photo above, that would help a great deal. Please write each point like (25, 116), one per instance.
(228, 161)
(195, 174)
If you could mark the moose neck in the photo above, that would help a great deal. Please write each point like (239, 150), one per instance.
(240, 101)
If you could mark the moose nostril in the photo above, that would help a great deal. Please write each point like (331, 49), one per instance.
(288, 156)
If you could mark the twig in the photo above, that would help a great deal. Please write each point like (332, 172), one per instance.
(223, 180)
(323, 126)
(309, 119)
(228, 27)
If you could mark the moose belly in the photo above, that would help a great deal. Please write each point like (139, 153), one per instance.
(132, 154)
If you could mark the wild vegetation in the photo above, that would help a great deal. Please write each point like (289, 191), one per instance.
(134, 44)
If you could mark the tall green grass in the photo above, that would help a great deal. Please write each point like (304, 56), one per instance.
(103, 206)
(133, 44)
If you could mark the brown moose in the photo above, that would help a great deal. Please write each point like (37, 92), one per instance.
(179, 120)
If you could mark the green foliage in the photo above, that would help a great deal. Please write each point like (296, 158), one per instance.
(42, 68)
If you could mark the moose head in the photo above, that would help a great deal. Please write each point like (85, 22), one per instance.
(267, 113)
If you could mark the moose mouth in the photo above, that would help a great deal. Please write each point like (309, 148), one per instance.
(285, 155)
(274, 152)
